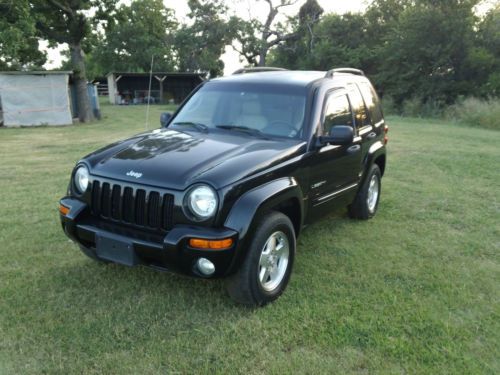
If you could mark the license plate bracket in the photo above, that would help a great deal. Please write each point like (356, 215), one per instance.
(115, 249)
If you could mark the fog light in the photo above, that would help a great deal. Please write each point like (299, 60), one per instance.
(205, 266)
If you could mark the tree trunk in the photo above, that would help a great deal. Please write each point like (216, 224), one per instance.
(262, 57)
(85, 113)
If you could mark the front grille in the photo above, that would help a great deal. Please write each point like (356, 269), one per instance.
(132, 206)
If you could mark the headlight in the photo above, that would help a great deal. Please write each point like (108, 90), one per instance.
(202, 201)
(81, 179)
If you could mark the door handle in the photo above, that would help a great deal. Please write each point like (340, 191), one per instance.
(371, 135)
(353, 149)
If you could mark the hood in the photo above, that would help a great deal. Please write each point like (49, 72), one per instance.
(173, 159)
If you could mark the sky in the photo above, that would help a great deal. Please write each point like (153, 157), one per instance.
(244, 9)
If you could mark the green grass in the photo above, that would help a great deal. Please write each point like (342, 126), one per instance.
(415, 290)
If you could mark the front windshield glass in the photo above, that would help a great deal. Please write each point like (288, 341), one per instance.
(267, 109)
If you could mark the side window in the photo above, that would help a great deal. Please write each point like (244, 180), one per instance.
(372, 102)
(337, 112)
(358, 106)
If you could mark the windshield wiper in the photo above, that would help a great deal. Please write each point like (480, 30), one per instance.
(196, 125)
(245, 129)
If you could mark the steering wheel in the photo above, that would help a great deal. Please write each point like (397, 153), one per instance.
(279, 127)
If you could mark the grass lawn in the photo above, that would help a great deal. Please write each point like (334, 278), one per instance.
(415, 290)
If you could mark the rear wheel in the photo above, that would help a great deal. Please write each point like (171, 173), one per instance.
(365, 204)
(266, 270)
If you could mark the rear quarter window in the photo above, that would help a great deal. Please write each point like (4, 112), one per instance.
(372, 102)
(358, 106)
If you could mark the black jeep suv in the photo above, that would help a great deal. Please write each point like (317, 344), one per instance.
(226, 185)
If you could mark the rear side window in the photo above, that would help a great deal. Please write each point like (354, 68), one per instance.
(337, 112)
(358, 106)
(371, 101)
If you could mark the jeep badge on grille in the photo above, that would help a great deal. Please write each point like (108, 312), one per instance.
(134, 174)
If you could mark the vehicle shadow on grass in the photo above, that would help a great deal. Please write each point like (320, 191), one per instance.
(139, 295)
(101, 308)
(130, 283)
(90, 298)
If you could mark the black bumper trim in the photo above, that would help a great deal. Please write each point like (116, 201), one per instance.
(170, 251)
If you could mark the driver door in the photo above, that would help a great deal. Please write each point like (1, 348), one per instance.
(335, 168)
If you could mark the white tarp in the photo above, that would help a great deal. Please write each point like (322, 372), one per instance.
(34, 99)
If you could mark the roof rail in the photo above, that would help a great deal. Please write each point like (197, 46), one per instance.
(257, 69)
(331, 72)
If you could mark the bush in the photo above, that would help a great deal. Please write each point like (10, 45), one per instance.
(476, 112)
(416, 107)
(412, 107)
(389, 106)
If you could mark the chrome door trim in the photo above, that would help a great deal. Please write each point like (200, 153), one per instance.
(336, 192)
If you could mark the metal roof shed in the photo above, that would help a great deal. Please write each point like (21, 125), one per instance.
(34, 98)
(132, 88)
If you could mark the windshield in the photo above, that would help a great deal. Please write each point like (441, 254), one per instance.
(254, 108)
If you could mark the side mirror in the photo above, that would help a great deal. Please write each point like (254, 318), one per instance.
(165, 118)
(339, 135)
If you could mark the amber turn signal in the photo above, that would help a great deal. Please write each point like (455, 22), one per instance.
(63, 210)
(199, 243)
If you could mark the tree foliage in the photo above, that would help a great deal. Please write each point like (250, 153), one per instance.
(484, 58)
(18, 38)
(296, 50)
(257, 38)
(200, 45)
(432, 50)
(137, 32)
(147, 28)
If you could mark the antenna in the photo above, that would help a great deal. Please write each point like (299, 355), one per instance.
(149, 91)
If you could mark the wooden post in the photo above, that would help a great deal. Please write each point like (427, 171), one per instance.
(161, 79)
(116, 88)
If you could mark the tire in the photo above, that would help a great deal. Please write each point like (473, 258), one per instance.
(265, 272)
(365, 204)
(92, 255)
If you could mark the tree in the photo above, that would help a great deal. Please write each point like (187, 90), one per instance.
(484, 59)
(18, 39)
(257, 39)
(426, 51)
(296, 52)
(201, 44)
(71, 21)
(309, 16)
(138, 31)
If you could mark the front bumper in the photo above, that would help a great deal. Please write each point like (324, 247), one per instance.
(166, 251)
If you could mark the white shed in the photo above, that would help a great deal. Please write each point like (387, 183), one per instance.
(34, 98)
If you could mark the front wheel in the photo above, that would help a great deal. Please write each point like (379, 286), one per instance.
(265, 272)
(365, 204)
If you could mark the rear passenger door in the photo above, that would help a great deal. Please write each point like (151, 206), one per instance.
(368, 114)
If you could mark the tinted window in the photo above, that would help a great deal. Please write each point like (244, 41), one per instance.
(358, 106)
(337, 112)
(371, 101)
(271, 109)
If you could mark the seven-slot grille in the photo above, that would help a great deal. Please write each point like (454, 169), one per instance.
(132, 205)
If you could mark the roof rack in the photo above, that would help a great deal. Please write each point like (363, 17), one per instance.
(257, 69)
(331, 72)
